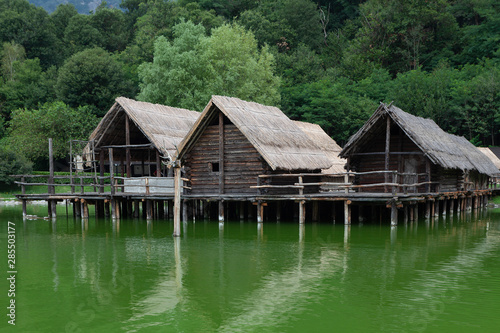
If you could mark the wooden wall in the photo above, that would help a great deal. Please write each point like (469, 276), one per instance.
(242, 163)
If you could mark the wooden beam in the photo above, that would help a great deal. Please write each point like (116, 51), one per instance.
(177, 201)
(387, 148)
(221, 152)
(127, 142)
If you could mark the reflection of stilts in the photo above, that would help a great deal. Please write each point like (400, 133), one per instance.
(178, 264)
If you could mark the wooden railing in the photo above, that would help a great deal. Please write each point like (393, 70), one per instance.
(348, 183)
(98, 184)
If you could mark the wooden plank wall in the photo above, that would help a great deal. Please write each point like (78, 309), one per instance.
(205, 151)
(242, 162)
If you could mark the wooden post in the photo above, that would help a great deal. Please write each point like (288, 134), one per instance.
(428, 171)
(106, 208)
(405, 212)
(101, 171)
(387, 149)
(427, 209)
(221, 211)
(278, 211)
(347, 212)
(177, 201)
(302, 211)
(260, 212)
(184, 210)
(394, 213)
(315, 212)
(127, 142)
(221, 156)
(158, 164)
(445, 206)
(452, 206)
(85, 207)
(111, 171)
(51, 189)
(149, 210)
(416, 211)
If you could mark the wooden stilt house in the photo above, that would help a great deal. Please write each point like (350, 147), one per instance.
(415, 155)
(140, 134)
(235, 145)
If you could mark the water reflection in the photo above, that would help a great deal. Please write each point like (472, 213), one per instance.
(253, 276)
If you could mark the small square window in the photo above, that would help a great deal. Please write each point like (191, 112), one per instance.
(213, 167)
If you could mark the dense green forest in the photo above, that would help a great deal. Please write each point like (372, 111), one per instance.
(327, 62)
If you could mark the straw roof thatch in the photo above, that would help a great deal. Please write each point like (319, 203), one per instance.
(281, 143)
(326, 143)
(163, 126)
(444, 149)
(491, 155)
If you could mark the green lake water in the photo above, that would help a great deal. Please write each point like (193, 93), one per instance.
(133, 276)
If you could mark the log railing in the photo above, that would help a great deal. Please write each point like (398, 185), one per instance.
(346, 182)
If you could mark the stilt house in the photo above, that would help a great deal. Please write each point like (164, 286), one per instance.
(413, 154)
(234, 142)
(140, 134)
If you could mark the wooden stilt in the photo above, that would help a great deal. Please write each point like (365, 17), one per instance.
(302, 211)
(85, 207)
(347, 212)
(106, 208)
(427, 209)
(416, 212)
(445, 206)
(24, 208)
(149, 210)
(77, 208)
(161, 209)
(221, 211)
(361, 215)
(278, 211)
(184, 210)
(315, 211)
(452, 206)
(260, 212)
(405, 217)
(394, 213)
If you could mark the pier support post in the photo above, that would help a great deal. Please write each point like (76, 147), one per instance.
(24, 209)
(302, 211)
(416, 212)
(177, 201)
(260, 212)
(427, 209)
(85, 209)
(445, 204)
(315, 211)
(452, 206)
(347, 212)
(242, 210)
(221, 211)
(278, 211)
(184, 210)
(394, 213)
(436, 208)
(149, 210)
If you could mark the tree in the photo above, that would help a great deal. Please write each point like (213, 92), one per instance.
(80, 34)
(30, 27)
(191, 68)
(91, 77)
(12, 163)
(30, 130)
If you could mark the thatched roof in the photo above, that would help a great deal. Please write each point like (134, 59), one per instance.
(491, 155)
(326, 143)
(281, 143)
(444, 149)
(163, 126)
